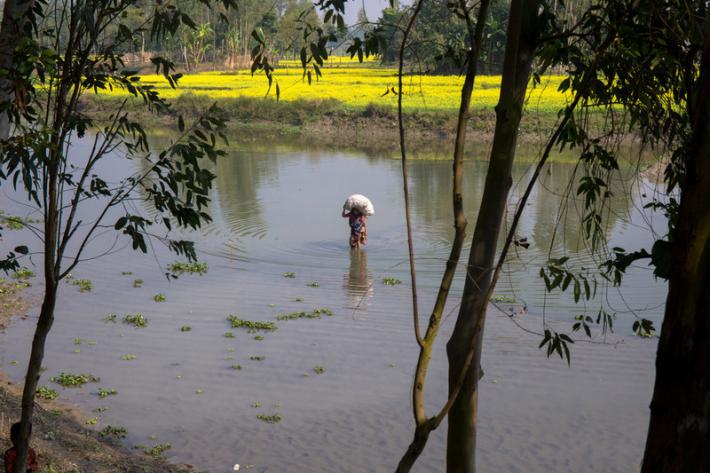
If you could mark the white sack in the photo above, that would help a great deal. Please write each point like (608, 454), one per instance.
(360, 202)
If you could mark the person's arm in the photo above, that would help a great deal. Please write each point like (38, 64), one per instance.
(346, 214)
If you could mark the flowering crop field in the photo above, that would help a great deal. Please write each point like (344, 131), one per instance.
(357, 85)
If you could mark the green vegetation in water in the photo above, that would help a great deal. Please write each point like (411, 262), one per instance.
(199, 391)
(504, 299)
(313, 284)
(185, 328)
(269, 419)
(91, 343)
(137, 320)
(314, 314)
(128, 357)
(391, 281)
(258, 338)
(13, 222)
(126, 273)
(23, 273)
(78, 350)
(298, 299)
(228, 334)
(104, 393)
(159, 298)
(46, 393)
(251, 325)
(99, 410)
(77, 341)
(92, 420)
(70, 380)
(289, 274)
(158, 450)
(137, 283)
(110, 318)
(257, 358)
(237, 367)
(181, 267)
(228, 357)
(256, 404)
(319, 369)
(271, 306)
(84, 285)
(114, 431)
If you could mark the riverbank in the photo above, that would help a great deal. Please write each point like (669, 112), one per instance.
(62, 442)
(331, 124)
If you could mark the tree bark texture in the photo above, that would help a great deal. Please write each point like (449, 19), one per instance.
(679, 431)
(11, 31)
(468, 331)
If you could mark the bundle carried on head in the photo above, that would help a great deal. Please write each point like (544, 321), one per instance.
(359, 202)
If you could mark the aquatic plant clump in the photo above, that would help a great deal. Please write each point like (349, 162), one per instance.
(46, 393)
(84, 285)
(269, 419)
(159, 298)
(289, 274)
(314, 314)
(70, 380)
(23, 273)
(104, 393)
(181, 267)
(137, 320)
(114, 431)
(251, 325)
(391, 281)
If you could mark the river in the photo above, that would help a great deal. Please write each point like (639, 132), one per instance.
(278, 212)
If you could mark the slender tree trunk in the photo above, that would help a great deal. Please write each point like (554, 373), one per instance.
(11, 31)
(44, 324)
(679, 432)
(468, 332)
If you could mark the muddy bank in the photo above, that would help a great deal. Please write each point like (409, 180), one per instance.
(328, 124)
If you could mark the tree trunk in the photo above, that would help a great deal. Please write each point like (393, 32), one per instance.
(44, 324)
(11, 31)
(468, 332)
(679, 431)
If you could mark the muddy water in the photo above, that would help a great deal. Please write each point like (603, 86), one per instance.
(279, 212)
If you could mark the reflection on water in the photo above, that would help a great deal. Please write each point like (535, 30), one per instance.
(278, 213)
(357, 282)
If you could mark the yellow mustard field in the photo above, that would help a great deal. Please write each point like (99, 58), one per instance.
(356, 85)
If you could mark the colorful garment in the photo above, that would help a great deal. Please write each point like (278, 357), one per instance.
(11, 455)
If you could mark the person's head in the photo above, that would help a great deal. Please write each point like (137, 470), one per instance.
(355, 212)
(15, 432)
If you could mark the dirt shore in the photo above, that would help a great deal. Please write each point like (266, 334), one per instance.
(62, 442)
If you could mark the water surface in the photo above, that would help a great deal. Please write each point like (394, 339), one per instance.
(277, 212)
